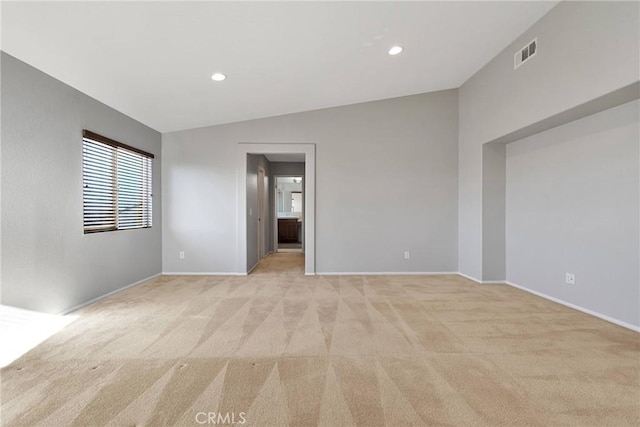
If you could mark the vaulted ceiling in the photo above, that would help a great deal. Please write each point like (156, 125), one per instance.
(153, 60)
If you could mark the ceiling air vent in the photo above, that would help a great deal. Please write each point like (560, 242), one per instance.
(525, 54)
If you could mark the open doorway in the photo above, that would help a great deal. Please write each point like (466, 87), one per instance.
(252, 219)
(289, 214)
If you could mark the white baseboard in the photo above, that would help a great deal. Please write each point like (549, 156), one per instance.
(108, 294)
(469, 277)
(389, 273)
(201, 273)
(482, 282)
(251, 269)
(577, 307)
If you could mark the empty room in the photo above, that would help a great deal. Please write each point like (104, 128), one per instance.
(331, 213)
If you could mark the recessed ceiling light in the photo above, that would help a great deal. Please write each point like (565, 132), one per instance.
(395, 50)
(218, 77)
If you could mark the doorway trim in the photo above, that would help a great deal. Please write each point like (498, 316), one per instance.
(309, 151)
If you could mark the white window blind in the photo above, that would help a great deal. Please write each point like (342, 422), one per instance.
(117, 184)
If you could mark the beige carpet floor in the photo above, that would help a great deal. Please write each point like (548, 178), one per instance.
(278, 348)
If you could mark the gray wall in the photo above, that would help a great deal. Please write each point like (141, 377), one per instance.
(255, 161)
(586, 50)
(48, 264)
(573, 206)
(493, 212)
(386, 183)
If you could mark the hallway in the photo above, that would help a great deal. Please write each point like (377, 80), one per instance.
(284, 262)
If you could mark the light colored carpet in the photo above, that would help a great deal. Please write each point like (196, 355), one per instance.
(278, 348)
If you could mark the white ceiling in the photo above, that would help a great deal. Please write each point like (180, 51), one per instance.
(153, 60)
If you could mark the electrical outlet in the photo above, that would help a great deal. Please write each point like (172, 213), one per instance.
(570, 278)
(407, 255)
(181, 254)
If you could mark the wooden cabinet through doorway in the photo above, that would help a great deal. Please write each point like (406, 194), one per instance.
(287, 230)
